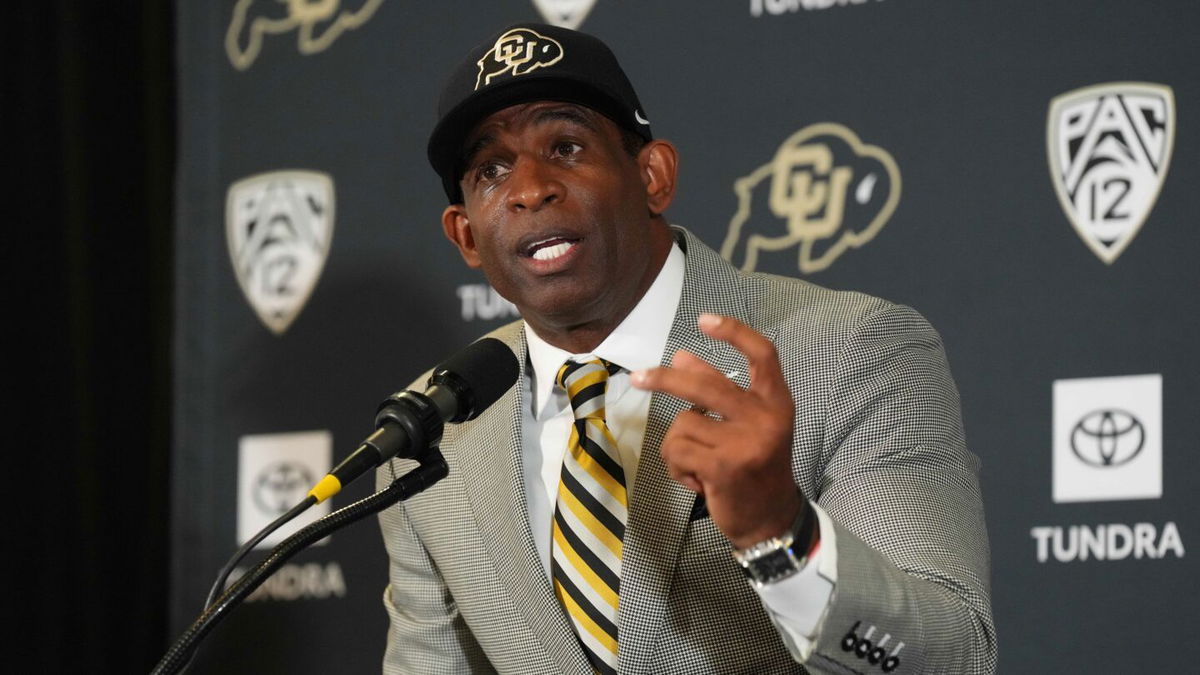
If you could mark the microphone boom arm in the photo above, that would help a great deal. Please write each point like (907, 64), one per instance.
(432, 468)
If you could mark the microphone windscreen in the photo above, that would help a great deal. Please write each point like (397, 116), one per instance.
(480, 374)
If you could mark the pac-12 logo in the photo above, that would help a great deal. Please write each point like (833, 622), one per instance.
(517, 52)
(564, 13)
(1109, 147)
(279, 226)
(825, 191)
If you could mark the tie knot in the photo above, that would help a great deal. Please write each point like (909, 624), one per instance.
(585, 384)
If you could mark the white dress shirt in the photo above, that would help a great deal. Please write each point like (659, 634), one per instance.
(797, 604)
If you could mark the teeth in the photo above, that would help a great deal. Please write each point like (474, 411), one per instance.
(552, 252)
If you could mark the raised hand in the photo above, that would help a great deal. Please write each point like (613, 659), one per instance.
(734, 445)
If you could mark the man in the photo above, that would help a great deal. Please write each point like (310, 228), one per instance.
(752, 474)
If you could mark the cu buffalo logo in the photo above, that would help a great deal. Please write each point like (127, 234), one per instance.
(517, 52)
(317, 24)
(1107, 438)
(824, 192)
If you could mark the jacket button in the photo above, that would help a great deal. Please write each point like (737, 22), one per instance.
(850, 640)
(876, 655)
(862, 648)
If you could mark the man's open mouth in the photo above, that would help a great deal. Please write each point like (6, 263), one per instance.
(549, 249)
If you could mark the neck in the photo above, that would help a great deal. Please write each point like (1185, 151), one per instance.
(583, 338)
(577, 340)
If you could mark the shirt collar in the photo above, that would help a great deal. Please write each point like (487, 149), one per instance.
(637, 343)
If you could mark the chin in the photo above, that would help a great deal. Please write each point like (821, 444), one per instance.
(562, 309)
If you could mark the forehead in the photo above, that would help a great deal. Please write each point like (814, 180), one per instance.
(529, 116)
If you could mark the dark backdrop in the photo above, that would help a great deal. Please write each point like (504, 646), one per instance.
(89, 127)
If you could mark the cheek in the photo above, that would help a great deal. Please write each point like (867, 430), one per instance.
(489, 245)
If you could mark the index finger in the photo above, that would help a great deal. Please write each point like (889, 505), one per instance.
(766, 377)
(704, 387)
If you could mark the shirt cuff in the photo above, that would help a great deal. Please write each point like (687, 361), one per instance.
(798, 604)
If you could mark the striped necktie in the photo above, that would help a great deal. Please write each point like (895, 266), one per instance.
(590, 516)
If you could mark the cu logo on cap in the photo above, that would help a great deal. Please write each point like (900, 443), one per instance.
(1107, 438)
(518, 51)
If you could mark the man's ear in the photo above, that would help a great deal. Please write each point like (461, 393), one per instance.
(659, 163)
(458, 230)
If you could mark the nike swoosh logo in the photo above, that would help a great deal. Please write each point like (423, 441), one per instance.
(637, 115)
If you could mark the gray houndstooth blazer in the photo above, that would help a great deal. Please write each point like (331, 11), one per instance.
(878, 444)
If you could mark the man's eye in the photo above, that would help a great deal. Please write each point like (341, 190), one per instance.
(566, 148)
(489, 171)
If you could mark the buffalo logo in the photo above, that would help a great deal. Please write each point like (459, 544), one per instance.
(280, 486)
(564, 13)
(1107, 438)
(317, 24)
(279, 227)
(1109, 146)
(824, 190)
(517, 52)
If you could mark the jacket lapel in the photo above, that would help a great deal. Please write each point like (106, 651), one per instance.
(494, 482)
(660, 508)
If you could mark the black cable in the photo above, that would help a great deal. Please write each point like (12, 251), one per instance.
(219, 585)
(432, 469)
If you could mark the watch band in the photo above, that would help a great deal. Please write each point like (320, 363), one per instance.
(778, 558)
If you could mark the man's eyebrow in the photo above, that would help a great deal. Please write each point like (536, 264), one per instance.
(475, 147)
(566, 113)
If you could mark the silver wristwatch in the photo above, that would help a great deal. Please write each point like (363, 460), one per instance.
(778, 558)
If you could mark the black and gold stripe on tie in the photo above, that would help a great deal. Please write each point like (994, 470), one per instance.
(589, 517)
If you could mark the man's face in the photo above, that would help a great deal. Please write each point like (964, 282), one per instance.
(559, 215)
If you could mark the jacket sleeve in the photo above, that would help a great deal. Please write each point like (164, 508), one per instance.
(426, 633)
(902, 490)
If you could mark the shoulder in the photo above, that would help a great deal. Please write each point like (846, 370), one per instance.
(768, 300)
(779, 302)
(794, 306)
(790, 311)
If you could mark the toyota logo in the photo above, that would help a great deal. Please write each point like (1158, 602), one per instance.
(280, 486)
(1108, 438)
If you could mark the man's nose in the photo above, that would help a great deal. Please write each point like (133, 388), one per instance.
(533, 185)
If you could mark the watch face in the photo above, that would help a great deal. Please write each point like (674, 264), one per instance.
(774, 565)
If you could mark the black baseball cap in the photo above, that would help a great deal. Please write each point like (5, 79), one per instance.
(522, 63)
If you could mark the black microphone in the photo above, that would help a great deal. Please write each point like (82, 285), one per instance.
(409, 423)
